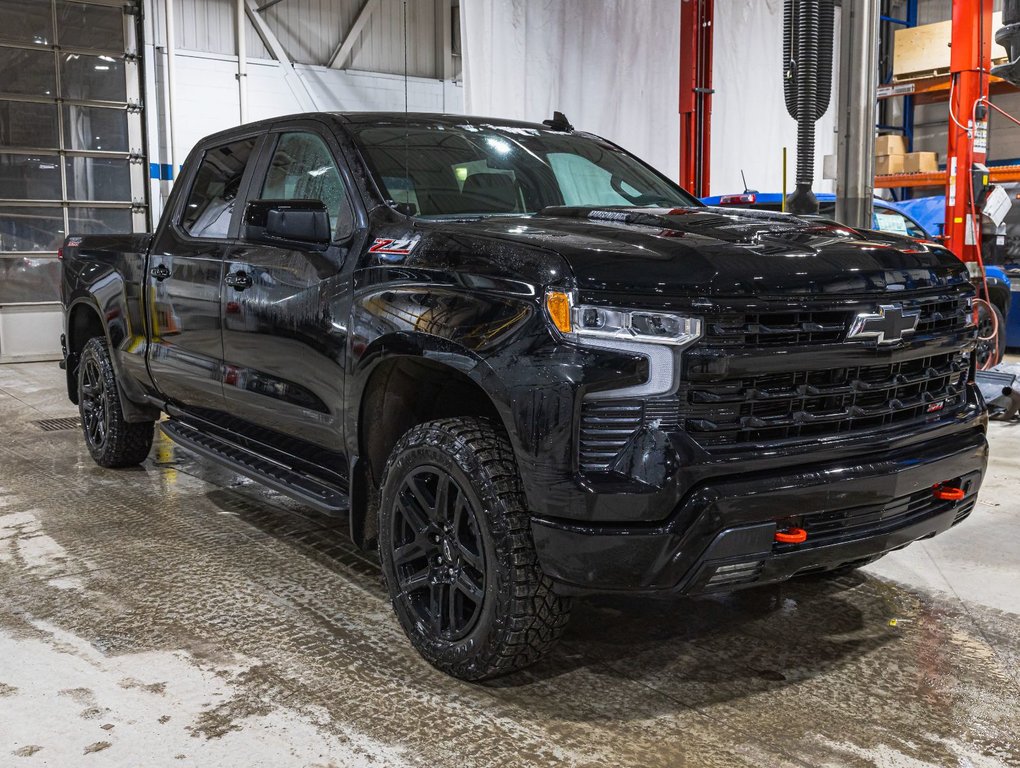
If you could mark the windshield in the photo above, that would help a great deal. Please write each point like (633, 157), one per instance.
(467, 171)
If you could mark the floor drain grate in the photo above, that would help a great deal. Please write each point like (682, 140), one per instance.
(56, 425)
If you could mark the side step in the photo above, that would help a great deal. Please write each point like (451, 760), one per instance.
(323, 496)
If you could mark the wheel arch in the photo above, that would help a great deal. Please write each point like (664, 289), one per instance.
(403, 385)
(84, 322)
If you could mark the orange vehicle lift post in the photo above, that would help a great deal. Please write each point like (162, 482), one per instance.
(970, 62)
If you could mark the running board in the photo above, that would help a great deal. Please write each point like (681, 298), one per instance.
(316, 493)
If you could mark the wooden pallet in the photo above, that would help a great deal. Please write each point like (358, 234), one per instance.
(923, 51)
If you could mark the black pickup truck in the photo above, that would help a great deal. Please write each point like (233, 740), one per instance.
(526, 366)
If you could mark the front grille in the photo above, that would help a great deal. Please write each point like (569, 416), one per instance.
(607, 425)
(812, 404)
(724, 404)
(940, 313)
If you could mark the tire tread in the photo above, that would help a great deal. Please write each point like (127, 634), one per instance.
(127, 443)
(535, 615)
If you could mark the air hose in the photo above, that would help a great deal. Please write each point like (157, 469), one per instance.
(807, 85)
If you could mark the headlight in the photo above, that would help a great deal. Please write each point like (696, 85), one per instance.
(636, 325)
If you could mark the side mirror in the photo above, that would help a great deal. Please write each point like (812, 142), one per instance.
(304, 221)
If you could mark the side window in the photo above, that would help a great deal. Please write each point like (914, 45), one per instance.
(303, 169)
(211, 202)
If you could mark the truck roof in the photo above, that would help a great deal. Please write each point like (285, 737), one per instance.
(380, 118)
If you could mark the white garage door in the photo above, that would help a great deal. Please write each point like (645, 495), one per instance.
(71, 159)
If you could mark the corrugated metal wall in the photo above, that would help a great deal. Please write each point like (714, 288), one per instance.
(208, 25)
(310, 30)
(931, 11)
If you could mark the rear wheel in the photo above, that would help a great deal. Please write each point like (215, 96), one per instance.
(457, 553)
(111, 441)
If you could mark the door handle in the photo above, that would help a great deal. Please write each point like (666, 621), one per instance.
(161, 272)
(238, 280)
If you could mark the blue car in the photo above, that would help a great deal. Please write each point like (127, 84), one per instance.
(887, 217)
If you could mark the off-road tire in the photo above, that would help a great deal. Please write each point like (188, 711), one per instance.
(111, 441)
(520, 617)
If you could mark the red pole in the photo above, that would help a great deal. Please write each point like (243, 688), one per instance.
(970, 60)
(695, 94)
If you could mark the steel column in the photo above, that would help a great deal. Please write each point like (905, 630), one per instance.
(242, 61)
(695, 94)
(970, 60)
(171, 93)
(858, 76)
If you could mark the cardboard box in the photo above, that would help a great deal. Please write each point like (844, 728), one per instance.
(886, 164)
(920, 162)
(893, 144)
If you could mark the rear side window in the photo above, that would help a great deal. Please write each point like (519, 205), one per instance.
(211, 202)
(303, 169)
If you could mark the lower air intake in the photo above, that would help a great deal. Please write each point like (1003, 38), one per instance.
(737, 573)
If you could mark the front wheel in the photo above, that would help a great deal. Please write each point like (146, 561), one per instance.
(111, 441)
(457, 553)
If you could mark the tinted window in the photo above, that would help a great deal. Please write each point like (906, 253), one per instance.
(303, 169)
(211, 202)
(478, 170)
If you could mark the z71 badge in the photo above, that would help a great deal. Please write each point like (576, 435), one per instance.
(400, 247)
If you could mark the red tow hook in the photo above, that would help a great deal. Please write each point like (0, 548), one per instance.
(791, 536)
(947, 492)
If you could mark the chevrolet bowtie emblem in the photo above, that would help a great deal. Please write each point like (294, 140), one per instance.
(890, 325)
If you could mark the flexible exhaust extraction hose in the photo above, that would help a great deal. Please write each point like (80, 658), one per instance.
(807, 84)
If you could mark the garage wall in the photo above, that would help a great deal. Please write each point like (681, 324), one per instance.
(310, 30)
(750, 125)
(612, 66)
(206, 87)
(207, 95)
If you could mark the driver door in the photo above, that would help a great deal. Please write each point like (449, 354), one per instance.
(284, 308)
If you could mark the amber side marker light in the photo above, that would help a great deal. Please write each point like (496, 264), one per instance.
(791, 536)
(557, 304)
(946, 492)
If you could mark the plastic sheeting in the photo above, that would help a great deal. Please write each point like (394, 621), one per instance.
(611, 66)
(750, 125)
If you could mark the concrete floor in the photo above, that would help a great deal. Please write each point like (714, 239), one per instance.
(178, 615)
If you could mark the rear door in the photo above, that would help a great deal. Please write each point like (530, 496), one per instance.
(185, 276)
(286, 308)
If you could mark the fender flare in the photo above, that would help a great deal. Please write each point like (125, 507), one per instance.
(436, 351)
(134, 408)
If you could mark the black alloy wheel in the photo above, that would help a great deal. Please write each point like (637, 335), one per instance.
(438, 553)
(112, 441)
(457, 552)
(95, 419)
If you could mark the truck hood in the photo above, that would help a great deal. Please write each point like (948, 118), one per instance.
(709, 251)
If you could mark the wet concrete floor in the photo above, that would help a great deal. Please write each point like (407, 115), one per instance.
(177, 615)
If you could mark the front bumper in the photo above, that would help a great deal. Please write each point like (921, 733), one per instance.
(721, 535)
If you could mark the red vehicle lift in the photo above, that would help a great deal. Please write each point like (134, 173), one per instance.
(970, 62)
(695, 94)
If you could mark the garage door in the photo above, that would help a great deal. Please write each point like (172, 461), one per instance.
(71, 157)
